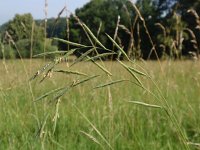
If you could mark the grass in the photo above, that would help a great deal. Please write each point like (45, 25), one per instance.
(119, 115)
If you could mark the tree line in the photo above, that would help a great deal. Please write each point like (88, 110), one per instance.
(150, 29)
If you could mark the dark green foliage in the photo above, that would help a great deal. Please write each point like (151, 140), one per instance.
(102, 16)
(20, 27)
(22, 37)
(9, 53)
(24, 47)
(171, 30)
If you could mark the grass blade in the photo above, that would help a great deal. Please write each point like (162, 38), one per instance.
(85, 80)
(49, 53)
(82, 56)
(110, 83)
(100, 56)
(73, 85)
(131, 72)
(145, 104)
(93, 36)
(137, 71)
(60, 94)
(70, 43)
(49, 93)
(118, 47)
(97, 131)
(102, 68)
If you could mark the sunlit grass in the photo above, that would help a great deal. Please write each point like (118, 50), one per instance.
(85, 118)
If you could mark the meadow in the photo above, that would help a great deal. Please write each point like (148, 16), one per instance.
(85, 111)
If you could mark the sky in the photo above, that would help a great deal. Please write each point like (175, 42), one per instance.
(8, 8)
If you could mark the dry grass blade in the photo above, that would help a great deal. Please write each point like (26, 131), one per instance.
(145, 104)
(110, 83)
(71, 72)
(118, 47)
(93, 36)
(131, 72)
(70, 43)
(162, 28)
(125, 29)
(92, 138)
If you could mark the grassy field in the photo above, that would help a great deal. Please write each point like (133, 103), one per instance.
(119, 116)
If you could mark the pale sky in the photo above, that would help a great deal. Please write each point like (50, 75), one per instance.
(8, 8)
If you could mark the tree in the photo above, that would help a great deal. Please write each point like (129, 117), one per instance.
(20, 27)
(101, 16)
(24, 35)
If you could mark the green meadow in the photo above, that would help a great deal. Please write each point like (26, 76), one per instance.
(153, 106)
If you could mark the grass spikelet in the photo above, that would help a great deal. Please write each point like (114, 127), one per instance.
(110, 83)
(49, 93)
(137, 71)
(63, 90)
(84, 80)
(70, 43)
(49, 53)
(100, 56)
(145, 104)
(74, 84)
(92, 138)
(131, 72)
(118, 47)
(102, 68)
(47, 74)
(82, 56)
(61, 93)
(93, 36)
(40, 71)
(71, 72)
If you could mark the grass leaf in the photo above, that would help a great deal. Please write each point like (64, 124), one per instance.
(70, 43)
(49, 53)
(49, 93)
(100, 56)
(110, 83)
(82, 56)
(102, 68)
(93, 36)
(131, 72)
(118, 47)
(145, 104)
